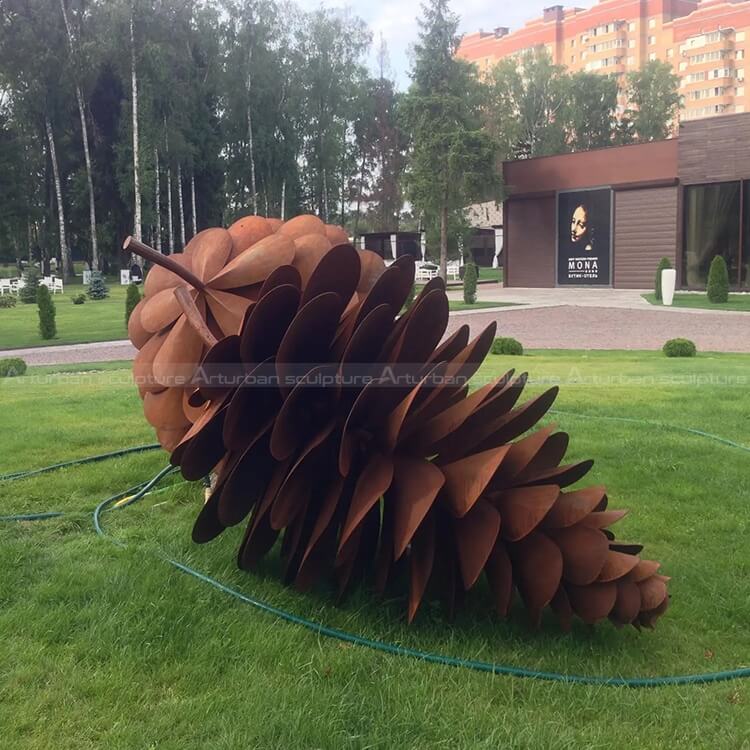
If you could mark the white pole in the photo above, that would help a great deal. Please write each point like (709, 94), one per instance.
(498, 247)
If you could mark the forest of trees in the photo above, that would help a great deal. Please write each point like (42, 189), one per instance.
(158, 118)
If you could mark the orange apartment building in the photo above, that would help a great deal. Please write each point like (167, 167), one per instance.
(706, 42)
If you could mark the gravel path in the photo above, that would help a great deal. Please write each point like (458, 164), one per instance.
(567, 327)
(103, 351)
(560, 327)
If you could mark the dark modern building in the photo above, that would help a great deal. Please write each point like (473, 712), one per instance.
(606, 217)
(393, 244)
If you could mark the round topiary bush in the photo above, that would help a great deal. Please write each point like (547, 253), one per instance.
(664, 263)
(12, 367)
(718, 281)
(47, 313)
(78, 299)
(507, 345)
(679, 348)
(7, 300)
(133, 297)
(31, 279)
(470, 284)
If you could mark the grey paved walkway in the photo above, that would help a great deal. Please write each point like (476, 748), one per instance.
(537, 325)
(103, 351)
(585, 327)
(629, 299)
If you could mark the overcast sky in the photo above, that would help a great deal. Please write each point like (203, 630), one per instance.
(396, 19)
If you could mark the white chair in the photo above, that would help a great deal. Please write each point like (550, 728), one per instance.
(57, 286)
(425, 272)
(86, 277)
(19, 284)
(453, 270)
(47, 281)
(5, 286)
(124, 278)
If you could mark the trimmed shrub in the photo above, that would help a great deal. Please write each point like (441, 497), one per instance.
(718, 281)
(78, 299)
(27, 293)
(7, 300)
(679, 348)
(507, 345)
(97, 287)
(470, 284)
(12, 367)
(47, 312)
(663, 264)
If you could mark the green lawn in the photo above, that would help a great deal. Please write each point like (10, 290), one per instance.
(490, 274)
(104, 320)
(736, 301)
(105, 647)
(455, 305)
(95, 320)
(485, 275)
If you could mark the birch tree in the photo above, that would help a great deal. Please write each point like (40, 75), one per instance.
(67, 262)
(76, 63)
(137, 222)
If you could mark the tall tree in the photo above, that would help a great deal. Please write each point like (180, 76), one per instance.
(137, 222)
(655, 101)
(39, 94)
(77, 63)
(590, 111)
(452, 161)
(527, 99)
(333, 44)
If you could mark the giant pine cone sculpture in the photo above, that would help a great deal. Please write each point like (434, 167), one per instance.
(195, 298)
(349, 430)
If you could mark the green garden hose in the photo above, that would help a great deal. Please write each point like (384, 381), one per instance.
(132, 495)
(79, 462)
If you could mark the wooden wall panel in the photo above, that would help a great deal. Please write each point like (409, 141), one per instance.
(617, 165)
(645, 232)
(716, 149)
(530, 242)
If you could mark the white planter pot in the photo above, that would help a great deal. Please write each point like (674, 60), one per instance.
(668, 281)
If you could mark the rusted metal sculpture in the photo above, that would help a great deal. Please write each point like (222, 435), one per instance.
(346, 428)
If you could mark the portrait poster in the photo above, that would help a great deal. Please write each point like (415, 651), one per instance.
(584, 237)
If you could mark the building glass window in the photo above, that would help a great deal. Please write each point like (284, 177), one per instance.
(712, 228)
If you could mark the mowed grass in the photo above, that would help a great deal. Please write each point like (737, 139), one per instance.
(104, 320)
(95, 320)
(737, 302)
(456, 305)
(103, 647)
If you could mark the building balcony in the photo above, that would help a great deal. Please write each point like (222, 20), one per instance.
(726, 43)
(599, 33)
(724, 61)
(595, 51)
(726, 79)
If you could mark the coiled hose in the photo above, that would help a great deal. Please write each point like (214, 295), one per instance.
(136, 493)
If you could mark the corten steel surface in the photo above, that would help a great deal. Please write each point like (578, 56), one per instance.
(346, 430)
